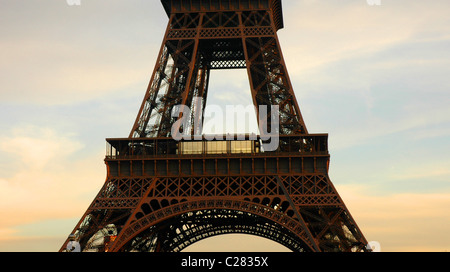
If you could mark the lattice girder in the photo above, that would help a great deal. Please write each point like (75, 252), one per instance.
(161, 196)
(218, 40)
(215, 206)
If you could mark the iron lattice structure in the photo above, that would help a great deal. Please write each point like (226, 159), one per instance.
(161, 195)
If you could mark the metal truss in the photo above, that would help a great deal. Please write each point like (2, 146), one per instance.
(146, 194)
(181, 231)
(160, 196)
(195, 43)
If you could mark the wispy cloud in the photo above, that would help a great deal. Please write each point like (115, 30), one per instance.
(375, 78)
(35, 147)
(38, 72)
(400, 222)
(44, 181)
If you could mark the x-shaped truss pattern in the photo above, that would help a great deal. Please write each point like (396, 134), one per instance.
(156, 198)
(317, 216)
(194, 44)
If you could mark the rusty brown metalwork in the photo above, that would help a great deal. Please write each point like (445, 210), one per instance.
(163, 195)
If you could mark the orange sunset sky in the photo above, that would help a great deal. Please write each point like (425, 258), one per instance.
(376, 78)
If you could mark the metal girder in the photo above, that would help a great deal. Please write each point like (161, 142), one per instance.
(162, 195)
(195, 43)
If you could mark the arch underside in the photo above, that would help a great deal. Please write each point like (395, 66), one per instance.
(179, 232)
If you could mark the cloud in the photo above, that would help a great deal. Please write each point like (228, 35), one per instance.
(375, 77)
(46, 73)
(400, 222)
(317, 33)
(377, 71)
(48, 177)
(366, 129)
(36, 147)
(54, 54)
(7, 234)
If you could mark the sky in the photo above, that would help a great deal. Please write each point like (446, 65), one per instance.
(376, 78)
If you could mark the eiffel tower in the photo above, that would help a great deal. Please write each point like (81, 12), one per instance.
(164, 194)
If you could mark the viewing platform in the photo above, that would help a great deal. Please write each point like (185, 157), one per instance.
(222, 145)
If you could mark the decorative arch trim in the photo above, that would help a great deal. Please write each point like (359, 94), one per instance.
(154, 218)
